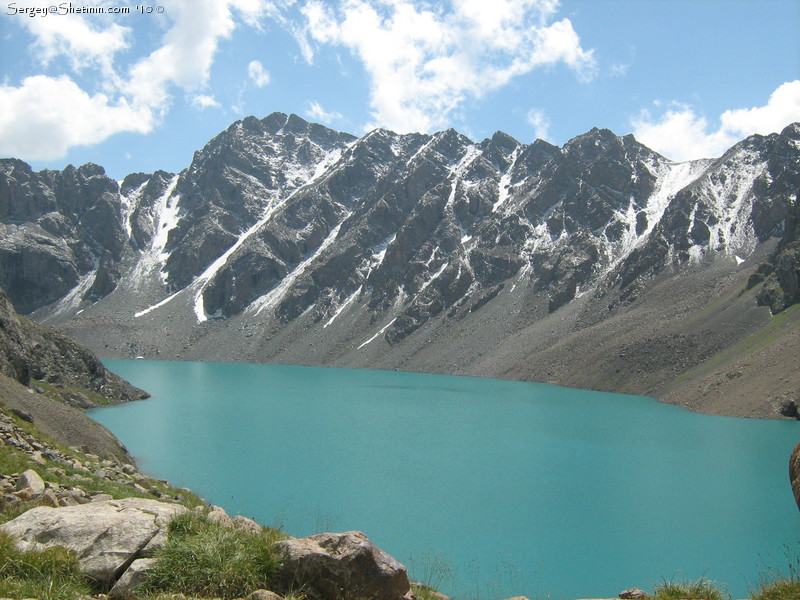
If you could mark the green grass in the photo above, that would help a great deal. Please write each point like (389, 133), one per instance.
(699, 589)
(207, 559)
(776, 585)
(779, 589)
(49, 575)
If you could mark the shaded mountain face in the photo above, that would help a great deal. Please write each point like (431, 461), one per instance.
(31, 352)
(358, 241)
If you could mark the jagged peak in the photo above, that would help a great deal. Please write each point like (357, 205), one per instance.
(295, 124)
(504, 141)
(792, 131)
(133, 180)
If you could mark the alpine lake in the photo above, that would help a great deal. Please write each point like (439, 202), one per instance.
(483, 488)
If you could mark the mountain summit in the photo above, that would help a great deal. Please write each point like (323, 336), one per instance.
(286, 241)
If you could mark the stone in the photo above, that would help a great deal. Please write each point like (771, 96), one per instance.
(633, 594)
(105, 535)
(245, 524)
(25, 494)
(264, 595)
(334, 565)
(31, 479)
(132, 578)
(794, 473)
(49, 498)
(101, 498)
(217, 514)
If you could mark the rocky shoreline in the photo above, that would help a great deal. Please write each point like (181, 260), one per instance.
(116, 539)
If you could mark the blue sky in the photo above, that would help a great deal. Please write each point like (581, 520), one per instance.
(142, 91)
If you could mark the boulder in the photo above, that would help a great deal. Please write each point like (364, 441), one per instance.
(245, 524)
(336, 565)
(106, 536)
(794, 473)
(633, 594)
(31, 479)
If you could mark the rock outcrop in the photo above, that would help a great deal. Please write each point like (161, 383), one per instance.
(31, 352)
(340, 565)
(794, 473)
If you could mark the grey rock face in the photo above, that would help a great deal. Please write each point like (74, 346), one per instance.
(57, 227)
(279, 221)
(340, 565)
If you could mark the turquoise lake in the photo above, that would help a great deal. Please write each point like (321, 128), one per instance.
(518, 488)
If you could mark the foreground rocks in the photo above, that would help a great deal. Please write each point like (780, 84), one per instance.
(335, 565)
(107, 536)
(115, 542)
(794, 473)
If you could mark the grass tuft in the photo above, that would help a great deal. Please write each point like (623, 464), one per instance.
(700, 589)
(48, 575)
(208, 559)
(776, 585)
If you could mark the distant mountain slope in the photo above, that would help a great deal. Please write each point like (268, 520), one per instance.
(285, 241)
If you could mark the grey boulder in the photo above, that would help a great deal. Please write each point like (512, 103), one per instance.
(329, 566)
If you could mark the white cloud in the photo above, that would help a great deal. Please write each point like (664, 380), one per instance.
(680, 134)
(78, 39)
(257, 73)
(540, 123)
(203, 101)
(316, 112)
(425, 62)
(43, 117)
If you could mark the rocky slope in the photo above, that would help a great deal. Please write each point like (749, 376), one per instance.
(30, 352)
(600, 264)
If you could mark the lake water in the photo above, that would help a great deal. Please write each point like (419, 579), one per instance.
(512, 488)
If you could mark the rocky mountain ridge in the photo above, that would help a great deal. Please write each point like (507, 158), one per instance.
(286, 241)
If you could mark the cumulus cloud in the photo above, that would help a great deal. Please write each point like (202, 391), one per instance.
(316, 112)
(203, 101)
(258, 75)
(540, 123)
(83, 43)
(424, 62)
(43, 117)
(681, 134)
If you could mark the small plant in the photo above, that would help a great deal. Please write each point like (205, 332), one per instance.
(700, 589)
(206, 558)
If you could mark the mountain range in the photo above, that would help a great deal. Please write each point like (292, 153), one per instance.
(600, 264)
